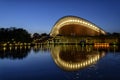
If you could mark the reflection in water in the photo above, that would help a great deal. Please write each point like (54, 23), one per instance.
(43, 48)
(14, 52)
(72, 58)
(20, 52)
(112, 48)
(79, 63)
(63, 55)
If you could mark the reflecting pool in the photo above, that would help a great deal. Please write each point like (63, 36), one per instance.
(60, 62)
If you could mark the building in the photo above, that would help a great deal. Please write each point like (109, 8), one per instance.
(76, 30)
(75, 26)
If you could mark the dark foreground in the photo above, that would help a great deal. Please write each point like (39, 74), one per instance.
(70, 62)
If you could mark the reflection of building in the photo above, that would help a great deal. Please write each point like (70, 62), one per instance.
(72, 58)
(75, 26)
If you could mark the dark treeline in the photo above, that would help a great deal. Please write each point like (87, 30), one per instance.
(116, 34)
(14, 35)
(40, 37)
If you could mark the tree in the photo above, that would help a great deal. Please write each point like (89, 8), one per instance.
(14, 34)
(36, 36)
(116, 34)
(44, 34)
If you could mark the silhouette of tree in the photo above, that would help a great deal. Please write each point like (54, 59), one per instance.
(14, 34)
(36, 36)
(116, 34)
(44, 34)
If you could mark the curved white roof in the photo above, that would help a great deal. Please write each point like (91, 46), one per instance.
(67, 20)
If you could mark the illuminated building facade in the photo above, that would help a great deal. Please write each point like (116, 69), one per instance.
(75, 26)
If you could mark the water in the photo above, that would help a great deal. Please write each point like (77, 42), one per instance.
(57, 62)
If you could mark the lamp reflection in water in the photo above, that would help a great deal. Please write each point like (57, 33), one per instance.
(14, 52)
(72, 58)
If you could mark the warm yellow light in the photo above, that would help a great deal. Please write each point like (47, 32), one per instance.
(4, 48)
(10, 44)
(4, 44)
(15, 47)
(10, 48)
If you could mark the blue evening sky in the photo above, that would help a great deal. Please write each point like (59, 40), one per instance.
(40, 15)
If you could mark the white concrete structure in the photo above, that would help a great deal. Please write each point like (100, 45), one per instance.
(70, 20)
